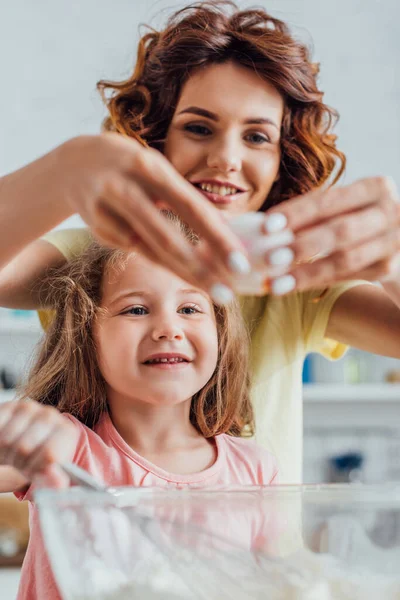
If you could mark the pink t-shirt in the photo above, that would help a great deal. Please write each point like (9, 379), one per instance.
(104, 454)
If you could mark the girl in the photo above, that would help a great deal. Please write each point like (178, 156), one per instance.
(140, 380)
(228, 106)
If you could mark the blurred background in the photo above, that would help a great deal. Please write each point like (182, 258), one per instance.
(53, 53)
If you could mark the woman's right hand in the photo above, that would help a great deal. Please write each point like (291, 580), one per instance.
(34, 438)
(117, 186)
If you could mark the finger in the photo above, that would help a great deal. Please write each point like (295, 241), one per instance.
(383, 270)
(111, 229)
(19, 418)
(162, 240)
(105, 233)
(346, 264)
(159, 235)
(161, 181)
(51, 451)
(32, 439)
(52, 477)
(321, 204)
(111, 224)
(344, 231)
(6, 411)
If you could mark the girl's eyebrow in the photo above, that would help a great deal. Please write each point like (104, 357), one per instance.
(127, 295)
(144, 294)
(202, 112)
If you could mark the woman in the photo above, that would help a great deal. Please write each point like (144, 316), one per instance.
(231, 101)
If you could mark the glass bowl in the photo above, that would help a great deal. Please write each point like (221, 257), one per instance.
(277, 543)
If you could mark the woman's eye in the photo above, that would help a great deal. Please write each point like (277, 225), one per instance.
(257, 138)
(136, 310)
(189, 310)
(197, 129)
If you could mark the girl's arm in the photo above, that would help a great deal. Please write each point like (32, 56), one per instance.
(12, 480)
(34, 440)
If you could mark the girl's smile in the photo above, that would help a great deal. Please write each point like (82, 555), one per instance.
(167, 361)
(156, 337)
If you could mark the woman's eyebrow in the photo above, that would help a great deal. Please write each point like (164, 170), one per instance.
(202, 112)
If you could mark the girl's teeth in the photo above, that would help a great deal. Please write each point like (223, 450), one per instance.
(167, 360)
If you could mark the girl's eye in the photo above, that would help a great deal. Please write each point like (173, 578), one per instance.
(136, 310)
(189, 310)
(257, 138)
(197, 129)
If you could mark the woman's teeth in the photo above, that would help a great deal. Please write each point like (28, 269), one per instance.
(221, 190)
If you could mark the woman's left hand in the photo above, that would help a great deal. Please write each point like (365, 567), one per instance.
(341, 233)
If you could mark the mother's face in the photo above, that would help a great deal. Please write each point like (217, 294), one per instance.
(224, 136)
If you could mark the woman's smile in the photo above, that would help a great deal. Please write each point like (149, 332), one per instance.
(219, 192)
(231, 150)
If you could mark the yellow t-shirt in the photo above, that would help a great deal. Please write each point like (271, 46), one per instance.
(283, 330)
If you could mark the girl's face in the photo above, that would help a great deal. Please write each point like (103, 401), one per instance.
(157, 341)
(224, 136)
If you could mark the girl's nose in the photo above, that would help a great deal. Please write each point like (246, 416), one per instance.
(167, 331)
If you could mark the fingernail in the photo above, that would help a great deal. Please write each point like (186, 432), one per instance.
(247, 225)
(281, 257)
(221, 294)
(283, 285)
(393, 270)
(392, 186)
(262, 245)
(275, 222)
(250, 284)
(238, 262)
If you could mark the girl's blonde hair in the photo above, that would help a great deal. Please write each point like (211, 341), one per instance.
(66, 373)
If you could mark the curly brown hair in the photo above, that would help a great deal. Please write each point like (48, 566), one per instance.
(66, 373)
(213, 32)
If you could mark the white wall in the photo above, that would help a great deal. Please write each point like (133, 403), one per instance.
(52, 54)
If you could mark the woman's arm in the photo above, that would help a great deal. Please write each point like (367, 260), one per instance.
(21, 280)
(365, 317)
(30, 205)
(344, 234)
(116, 185)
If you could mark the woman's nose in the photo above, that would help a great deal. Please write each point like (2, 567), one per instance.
(225, 156)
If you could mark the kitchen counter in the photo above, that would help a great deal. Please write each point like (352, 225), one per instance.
(9, 581)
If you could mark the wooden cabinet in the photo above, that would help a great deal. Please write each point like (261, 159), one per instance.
(14, 530)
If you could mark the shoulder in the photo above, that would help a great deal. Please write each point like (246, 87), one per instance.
(266, 311)
(247, 447)
(258, 462)
(89, 441)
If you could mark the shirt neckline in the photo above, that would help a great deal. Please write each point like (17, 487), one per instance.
(200, 476)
